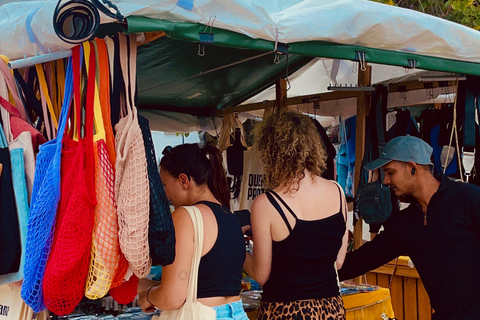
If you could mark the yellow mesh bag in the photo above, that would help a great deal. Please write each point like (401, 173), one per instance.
(105, 253)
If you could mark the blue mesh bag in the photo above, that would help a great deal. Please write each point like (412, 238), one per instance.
(43, 207)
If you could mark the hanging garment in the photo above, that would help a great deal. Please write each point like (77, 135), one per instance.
(131, 181)
(253, 179)
(161, 234)
(105, 252)
(67, 266)
(32, 105)
(404, 124)
(19, 121)
(43, 208)
(329, 173)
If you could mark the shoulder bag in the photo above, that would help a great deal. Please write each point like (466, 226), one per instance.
(192, 309)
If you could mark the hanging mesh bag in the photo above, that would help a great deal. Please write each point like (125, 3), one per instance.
(105, 251)
(126, 292)
(67, 266)
(161, 234)
(43, 207)
(131, 180)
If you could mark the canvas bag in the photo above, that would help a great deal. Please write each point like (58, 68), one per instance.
(10, 244)
(16, 148)
(192, 309)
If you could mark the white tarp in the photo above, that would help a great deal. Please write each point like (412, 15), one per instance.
(354, 22)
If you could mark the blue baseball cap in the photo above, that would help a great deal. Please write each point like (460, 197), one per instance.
(403, 148)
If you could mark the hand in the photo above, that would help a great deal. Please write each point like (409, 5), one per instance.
(143, 300)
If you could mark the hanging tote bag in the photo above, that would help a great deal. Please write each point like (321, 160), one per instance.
(161, 234)
(43, 207)
(67, 266)
(19, 187)
(131, 180)
(105, 252)
(10, 246)
(192, 309)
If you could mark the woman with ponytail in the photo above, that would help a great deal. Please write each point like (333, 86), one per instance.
(195, 176)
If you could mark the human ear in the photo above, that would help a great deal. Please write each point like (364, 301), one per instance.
(184, 180)
(414, 167)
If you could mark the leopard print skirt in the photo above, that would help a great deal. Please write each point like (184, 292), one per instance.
(314, 309)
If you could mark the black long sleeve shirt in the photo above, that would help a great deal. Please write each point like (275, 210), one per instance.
(446, 251)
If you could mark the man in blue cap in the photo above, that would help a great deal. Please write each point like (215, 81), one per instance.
(439, 230)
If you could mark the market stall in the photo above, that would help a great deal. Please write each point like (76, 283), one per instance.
(209, 59)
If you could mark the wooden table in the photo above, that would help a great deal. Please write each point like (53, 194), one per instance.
(368, 305)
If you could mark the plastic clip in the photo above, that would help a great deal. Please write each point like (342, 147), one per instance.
(468, 160)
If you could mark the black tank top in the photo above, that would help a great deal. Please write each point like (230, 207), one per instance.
(303, 264)
(220, 271)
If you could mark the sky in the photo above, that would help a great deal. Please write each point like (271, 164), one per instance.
(161, 140)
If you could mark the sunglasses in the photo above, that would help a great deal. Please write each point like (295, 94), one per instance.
(169, 150)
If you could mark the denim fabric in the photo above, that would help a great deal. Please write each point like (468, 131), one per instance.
(231, 311)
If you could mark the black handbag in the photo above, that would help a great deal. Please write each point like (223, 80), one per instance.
(161, 233)
(373, 202)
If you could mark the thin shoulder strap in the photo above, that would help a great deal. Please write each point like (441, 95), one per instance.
(342, 197)
(279, 209)
(197, 221)
(285, 204)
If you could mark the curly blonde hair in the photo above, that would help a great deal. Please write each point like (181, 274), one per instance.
(289, 143)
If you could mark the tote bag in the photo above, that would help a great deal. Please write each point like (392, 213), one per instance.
(192, 309)
(19, 187)
(10, 246)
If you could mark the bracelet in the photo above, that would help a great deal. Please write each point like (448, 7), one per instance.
(148, 291)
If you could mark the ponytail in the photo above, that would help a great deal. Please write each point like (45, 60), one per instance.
(203, 165)
(216, 180)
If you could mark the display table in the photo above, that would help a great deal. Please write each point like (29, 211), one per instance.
(368, 305)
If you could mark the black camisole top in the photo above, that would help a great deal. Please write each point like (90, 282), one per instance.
(220, 271)
(303, 264)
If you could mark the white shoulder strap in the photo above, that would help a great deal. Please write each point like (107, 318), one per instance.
(197, 221)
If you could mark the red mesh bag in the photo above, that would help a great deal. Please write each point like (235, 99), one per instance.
(67, 266)
(126, 292)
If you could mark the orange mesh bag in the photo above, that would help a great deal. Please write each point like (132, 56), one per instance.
(131, 181)
(105, 247)
(104, 88)
(67, 266)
